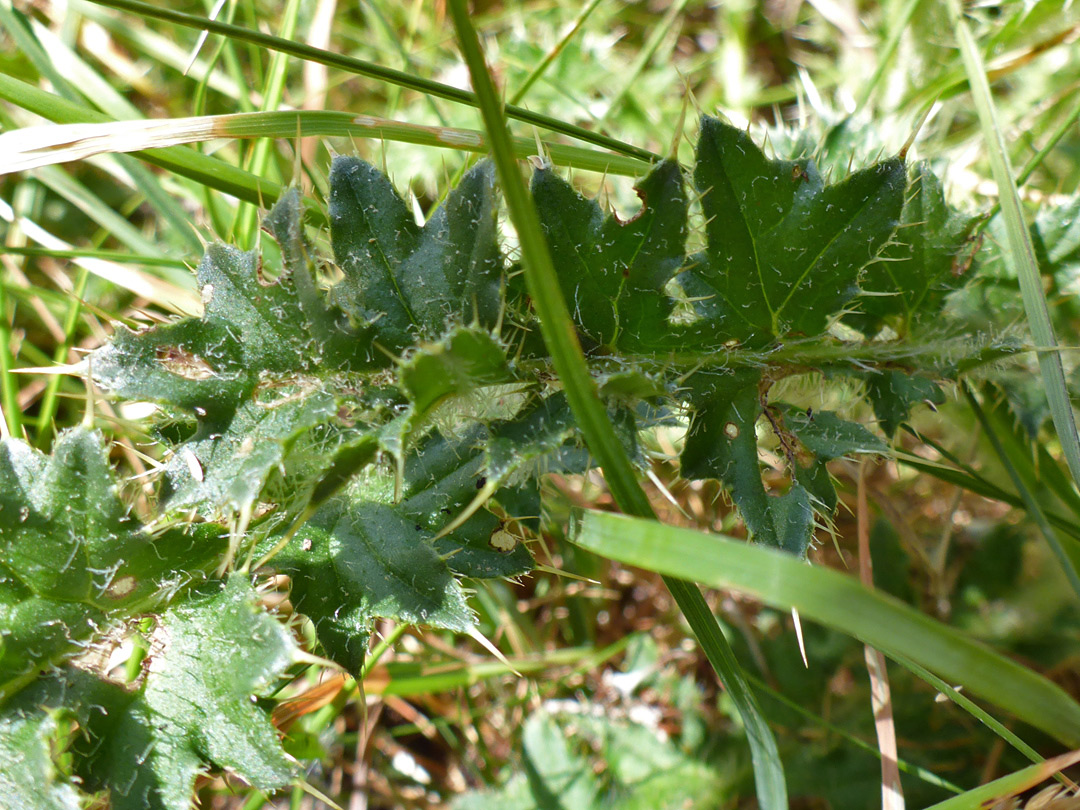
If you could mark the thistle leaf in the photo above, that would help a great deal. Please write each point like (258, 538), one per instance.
(921, 265)
(209, 656)
(356, 561)
(71, 555)
(613, 273)
(784, 250)
(406, 282)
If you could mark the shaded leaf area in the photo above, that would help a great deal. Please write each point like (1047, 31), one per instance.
(722, 443)
(72, 558)
(466, 359)
(613, 273)
(642, 770)
(28, 777)
(1056, 236)
(994, 297)
(929, 257)
(353, 562)
(784, 250)
(893, 393)
(215, 470)
(251, 369)
(364, 555)
(209, 654)
(404, 282)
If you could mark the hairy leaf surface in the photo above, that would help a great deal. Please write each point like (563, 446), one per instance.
(407, 282)
(923, 262)
(356, 561)
(612, 272)
(784, 249)
(722, 444)
(209, 655)
(252, 368)
(71, 555)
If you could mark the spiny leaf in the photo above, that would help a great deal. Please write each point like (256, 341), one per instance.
(893, 393)
(327, 326)
(359, 558)
(442, 477)
(356, 561)
(225, 470)
(828, 436)
(722, 444)
(251, 368)
(405, 282)
(466, 359)
(208, 656)
(921, 265)
(784, 249)
(28, 777)
(613, 273)
(70, 553)
(249, 334)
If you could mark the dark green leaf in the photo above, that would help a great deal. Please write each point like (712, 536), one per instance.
(250, 334)
(208, 656)
(442, 477)
(28, 777)
(70, 552)
(251, 368)
(539, 430)
(406, 282)
(353, 562)
(921, 264)
(784, 250)
(722, 444)
(285, 222)
(613, 273)
(893, 393)
(828, 436)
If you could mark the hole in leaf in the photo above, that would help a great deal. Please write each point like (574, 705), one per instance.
(179, 361)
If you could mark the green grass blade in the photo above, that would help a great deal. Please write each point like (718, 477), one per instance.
(99, 92)
(1020, 247)
(303, 123)
(362, 68)
(648, 51)
(247, 215)
(986, 795)
(592, 418)
(898, 23)
(207, 171)
(837, 601)
(9, 388)
(1031, 504)
(981, 486)
(108, 255)
(970, 707)
(542, 66)
(46, 427)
